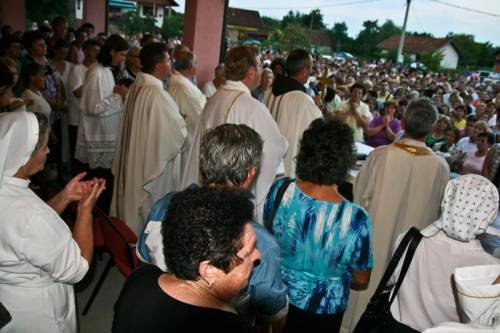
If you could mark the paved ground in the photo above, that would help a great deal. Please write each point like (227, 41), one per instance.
(100, 316)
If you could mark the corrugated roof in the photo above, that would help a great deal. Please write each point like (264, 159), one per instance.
(415, 44)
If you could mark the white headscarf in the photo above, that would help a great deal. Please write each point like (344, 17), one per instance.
(470, 205)
(18, 138)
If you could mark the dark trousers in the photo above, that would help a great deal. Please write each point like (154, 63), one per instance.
(302, 321)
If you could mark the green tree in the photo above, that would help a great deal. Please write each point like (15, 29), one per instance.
(131, 23)
(340, 40)
(291, 18)
(173, 25)
(366, 43)
(387, 30)
(40, 10)
(432, 60)
(271, 23)
(472, 54)
(313, 20)
(292, 37)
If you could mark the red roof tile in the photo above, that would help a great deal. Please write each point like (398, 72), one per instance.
(243, 17)
(415, 44)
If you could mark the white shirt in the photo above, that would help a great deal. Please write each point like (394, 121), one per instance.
(75, 81)
(426, 296)
(39, 105)
(39, 262)
(466, 146)
(209, 89)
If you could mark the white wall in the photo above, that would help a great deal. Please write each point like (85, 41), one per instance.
(450, 59)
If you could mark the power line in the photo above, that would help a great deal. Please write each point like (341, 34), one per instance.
(466, 8)
(317, 6)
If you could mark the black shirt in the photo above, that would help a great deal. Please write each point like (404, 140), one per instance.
(144, 307)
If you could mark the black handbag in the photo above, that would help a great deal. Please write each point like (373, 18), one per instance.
(377, 317)
(277, 200)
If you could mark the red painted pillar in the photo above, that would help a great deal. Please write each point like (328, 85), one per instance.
(203, 22)
(94, 11)
(13, 14)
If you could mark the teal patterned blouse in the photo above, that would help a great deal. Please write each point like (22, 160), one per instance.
(321, 243)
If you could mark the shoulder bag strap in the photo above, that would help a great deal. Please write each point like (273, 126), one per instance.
(406, 264)
(394, 261)
(277, 201)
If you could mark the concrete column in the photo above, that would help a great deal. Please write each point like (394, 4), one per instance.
(13, 14)
(94, 11)
(203, 22)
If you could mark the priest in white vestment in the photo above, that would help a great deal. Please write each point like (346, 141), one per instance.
(186, 95)
(233, 103)
(152, 134)
(400, 185)
(290, 105)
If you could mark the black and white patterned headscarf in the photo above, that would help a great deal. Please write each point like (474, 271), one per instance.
(470, 205)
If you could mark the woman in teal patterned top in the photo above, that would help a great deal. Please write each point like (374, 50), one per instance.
(325, 240)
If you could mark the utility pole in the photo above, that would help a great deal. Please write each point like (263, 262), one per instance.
(399, 58)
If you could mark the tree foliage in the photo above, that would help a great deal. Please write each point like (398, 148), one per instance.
(366, 43)
(292, 37)
(313, 20)
(42, 10)
(432, 60)
(130, 23)
(340, 39)
(472, 53)
(271, 22)
(173, 25)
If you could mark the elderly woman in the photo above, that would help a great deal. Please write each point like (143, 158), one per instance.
(325, 240)
(39, 257)
(469, 206)
(382, 129)
(210, 249)
(132, 66)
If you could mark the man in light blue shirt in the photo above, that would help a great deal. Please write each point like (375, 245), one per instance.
(230, 157)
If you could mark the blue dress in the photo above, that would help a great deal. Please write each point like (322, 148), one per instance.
(321, 243)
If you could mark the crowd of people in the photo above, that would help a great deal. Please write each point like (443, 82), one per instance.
(254, 207)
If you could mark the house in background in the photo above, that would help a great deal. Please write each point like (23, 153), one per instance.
(320, 41)
(156, 9)
(416, 45)
(244, 25)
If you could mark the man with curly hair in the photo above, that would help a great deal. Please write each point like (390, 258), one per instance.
(230, 157)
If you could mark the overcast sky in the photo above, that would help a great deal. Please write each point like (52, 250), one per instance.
(425, 15)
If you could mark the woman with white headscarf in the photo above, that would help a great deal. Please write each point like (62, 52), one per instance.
(469, 206)
(39, 257)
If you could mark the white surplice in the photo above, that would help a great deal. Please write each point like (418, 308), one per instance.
(147, 164)
(399, 189)
(100, 118)
(293, 112)
(234, 104)
(190, 101)
(39, 262)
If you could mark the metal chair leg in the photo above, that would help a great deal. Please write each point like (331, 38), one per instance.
(98, 286)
